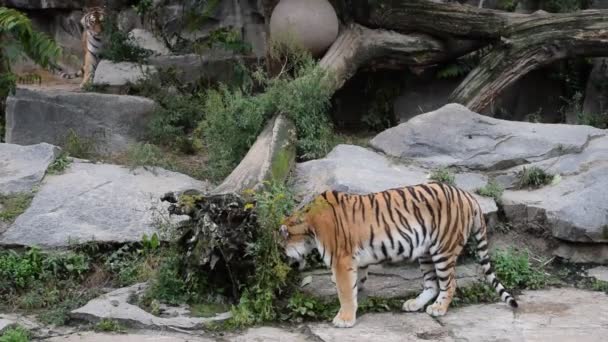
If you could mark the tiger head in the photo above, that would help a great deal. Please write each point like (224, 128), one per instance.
(93, 20)
(297, 238)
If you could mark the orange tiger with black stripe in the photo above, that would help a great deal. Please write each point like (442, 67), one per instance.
(430, 223)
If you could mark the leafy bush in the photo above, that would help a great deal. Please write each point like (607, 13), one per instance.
(60, 164)
(534, 177)
(258, 301)
(443, 175)
(109, 325)
(77, 146)
(492, 189)
(235, 117)
(514, 270)
(599, 120)
(176, 116)
(17, 334)
(118, 46)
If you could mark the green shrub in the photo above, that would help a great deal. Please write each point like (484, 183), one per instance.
(235, 117)
(175, 118)
(514, 270)
(17, 334)
(258, 301)
(60, 164)
(77, 146)
(443, 175)
(145, 154)
(109, 325)
(14, 205)
(596, 120)
(492, 189)
(118, 46)
(534, 177)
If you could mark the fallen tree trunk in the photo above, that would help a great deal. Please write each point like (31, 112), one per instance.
(530, 45)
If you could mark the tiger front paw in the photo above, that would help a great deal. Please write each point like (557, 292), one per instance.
(344, 320)
(411, 305)
(436, 310)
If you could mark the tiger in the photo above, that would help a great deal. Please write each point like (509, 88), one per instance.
(428, 222)
(92, 23)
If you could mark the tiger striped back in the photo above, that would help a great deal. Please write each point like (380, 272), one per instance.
(430, 223)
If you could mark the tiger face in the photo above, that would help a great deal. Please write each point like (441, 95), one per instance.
(297, 239)
(93, 20)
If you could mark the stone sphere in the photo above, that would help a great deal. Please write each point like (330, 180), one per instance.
(312, 24)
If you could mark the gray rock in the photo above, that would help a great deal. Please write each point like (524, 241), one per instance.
(23, 167)
(117, 75)
(271, 157)
(355, 169)
(599, 273)
(268, 334)
(385, 327)
(96, 202)
(45, 4)
(573, 209)
(478, 142)
(112, 122)
(584, 253)
(388, 281)
(6, 324)
(146, 40)
(115, 306)
(151, 336)
(547, 315)
(217, 66)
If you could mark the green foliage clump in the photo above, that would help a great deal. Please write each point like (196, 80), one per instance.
(479, 292)
(109, 325)
(258, 300)
(507, 5)
(118, 46)
(176, 116)
(514, 270)
(443, 175)
(60, 164)
(17, 334)
(20, 39)
(534, 177)
(135, 263)
(492, 189)
(235, 117)
(598, 120)
(77, 146)
(14, 205)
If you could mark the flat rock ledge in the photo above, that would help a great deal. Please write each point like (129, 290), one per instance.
(23, 167)
(389, 281)
(97, 203)
(115, 306)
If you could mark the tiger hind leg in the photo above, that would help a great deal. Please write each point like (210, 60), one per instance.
(430, 290)
(445, 268)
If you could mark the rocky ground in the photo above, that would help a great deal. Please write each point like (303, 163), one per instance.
(559, 314)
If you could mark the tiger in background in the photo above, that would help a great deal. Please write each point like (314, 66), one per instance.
(92, 23)
(429, 222)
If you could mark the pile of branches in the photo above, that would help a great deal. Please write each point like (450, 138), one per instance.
(214, 242)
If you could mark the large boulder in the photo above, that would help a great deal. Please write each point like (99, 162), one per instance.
(23, 167)
(111, 122)
(455, 136)
(270, 158)
(118, 75)
(146, 40)
(312, 24)
(96, 202)
(356, 169)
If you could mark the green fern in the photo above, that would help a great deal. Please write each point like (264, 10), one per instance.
(18, 39)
